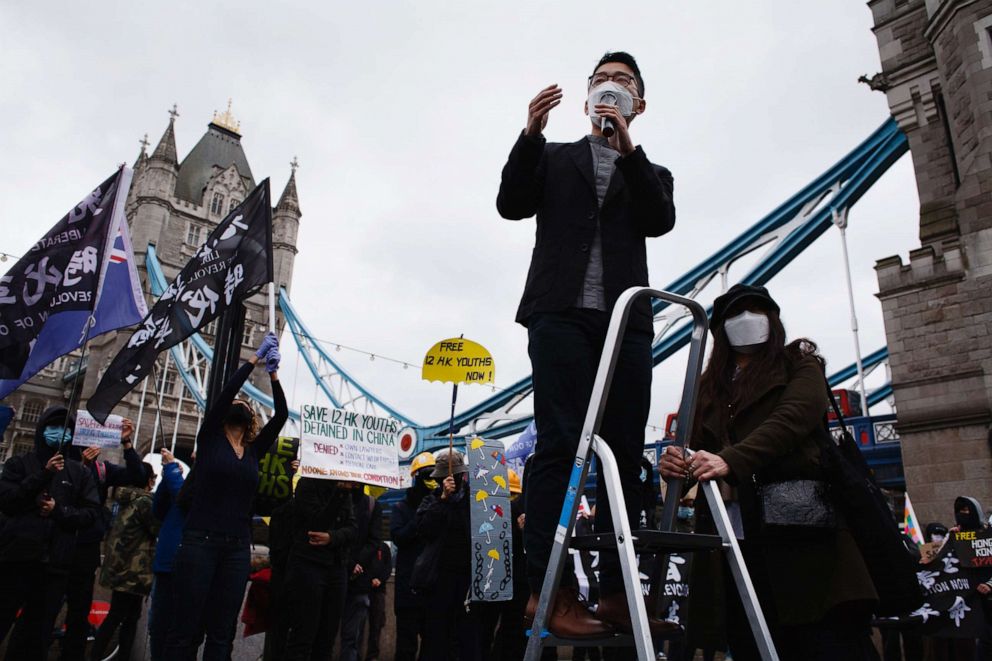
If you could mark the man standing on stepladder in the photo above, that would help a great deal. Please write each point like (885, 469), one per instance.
(596, 200)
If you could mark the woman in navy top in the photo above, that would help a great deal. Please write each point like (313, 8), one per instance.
(212, 563)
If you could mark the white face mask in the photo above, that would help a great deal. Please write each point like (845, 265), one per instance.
(621, 98)
(746, 329)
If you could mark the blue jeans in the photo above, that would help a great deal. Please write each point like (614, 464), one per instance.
(209, 578)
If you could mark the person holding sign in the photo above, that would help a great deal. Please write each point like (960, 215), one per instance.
(596, 201)
(45, 499)
(213, 560)
(323, 529)
(79, 589)
(443, 571)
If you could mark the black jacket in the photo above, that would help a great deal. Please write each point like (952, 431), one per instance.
(555, 181)
(409, 545)
(448, 520)
(368, 525)
(382, 565)
(25, 535)
(320, 506)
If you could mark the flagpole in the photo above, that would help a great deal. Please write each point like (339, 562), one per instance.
(451, 426)
(451, 423)
(74, 393)
(179, 412)
(141, 407)
(158, 409)
(158, 420)
(272, 307)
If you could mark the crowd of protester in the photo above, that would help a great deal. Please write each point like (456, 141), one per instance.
(184, 547)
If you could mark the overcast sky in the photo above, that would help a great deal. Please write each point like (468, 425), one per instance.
(402, 114)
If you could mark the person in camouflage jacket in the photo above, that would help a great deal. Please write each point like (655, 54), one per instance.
(127, 566)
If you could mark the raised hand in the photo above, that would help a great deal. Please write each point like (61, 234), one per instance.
(167, 456)
(269, 342)
(127, 431)
(90, 455)
(272, 359)
(448, 487)
(540, 106)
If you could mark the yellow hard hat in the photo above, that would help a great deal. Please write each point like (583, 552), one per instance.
(422, 460)
(515, 486)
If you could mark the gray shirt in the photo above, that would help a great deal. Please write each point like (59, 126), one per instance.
(604, 157)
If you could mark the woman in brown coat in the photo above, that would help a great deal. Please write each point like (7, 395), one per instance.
(761, 404)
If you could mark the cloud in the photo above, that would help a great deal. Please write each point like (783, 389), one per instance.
(402, 119)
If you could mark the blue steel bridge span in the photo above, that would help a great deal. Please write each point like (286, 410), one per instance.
(782, 235)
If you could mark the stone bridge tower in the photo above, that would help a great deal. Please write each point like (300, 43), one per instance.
(936, 58)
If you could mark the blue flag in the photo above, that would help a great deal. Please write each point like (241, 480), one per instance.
(116, 302)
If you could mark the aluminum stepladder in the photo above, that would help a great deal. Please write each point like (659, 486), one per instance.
(625, 541)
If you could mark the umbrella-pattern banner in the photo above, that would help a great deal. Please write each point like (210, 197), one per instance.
(492, 529)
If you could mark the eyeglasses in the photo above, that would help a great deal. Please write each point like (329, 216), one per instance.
(620, 78)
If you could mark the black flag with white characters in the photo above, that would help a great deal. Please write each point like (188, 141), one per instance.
(235, 260)
(56, 282)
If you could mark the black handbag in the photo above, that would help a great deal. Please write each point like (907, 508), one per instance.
(871, 522)
(797, 507)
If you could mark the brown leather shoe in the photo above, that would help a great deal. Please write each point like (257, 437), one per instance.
(613, 610)
(569, 617)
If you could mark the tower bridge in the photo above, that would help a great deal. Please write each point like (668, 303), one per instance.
(779, 237)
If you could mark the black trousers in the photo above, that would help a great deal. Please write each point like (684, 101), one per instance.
(78, 602)
(125, 610)
(377, 621)
(161, 612)
(275, 637)
(315, 601)
(501, 627)
(39, 591)
(843, 633)
(450, 633)
(409, 632)
(565, 349)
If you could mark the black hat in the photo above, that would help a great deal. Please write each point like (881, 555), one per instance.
(735, 294)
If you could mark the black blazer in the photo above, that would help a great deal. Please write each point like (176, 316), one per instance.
(556, 182)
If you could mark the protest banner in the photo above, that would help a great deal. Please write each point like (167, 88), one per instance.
(346, 445)
(91, 434)
(674, 597)
(490, 521)
(952, 607)
(973, 547)
(275, 475)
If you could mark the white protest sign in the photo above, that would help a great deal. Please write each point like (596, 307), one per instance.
(91, 434)
(344, 445)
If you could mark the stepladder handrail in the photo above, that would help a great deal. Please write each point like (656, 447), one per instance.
(690, 387)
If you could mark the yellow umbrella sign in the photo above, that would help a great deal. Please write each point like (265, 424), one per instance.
(458, 360)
